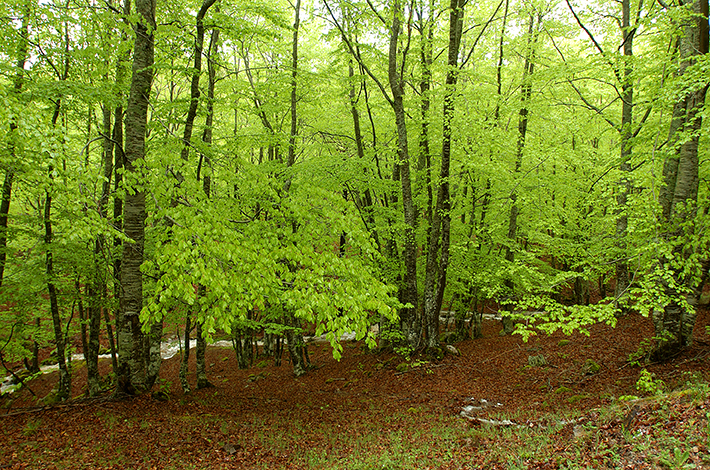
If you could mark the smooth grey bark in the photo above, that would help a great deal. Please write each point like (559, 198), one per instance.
(185, 354)
(297, 348)
(117, 137)
(435, 276)
(118, 166)
(674, 324)
(200, 367)
(133, 374)
(243, 345)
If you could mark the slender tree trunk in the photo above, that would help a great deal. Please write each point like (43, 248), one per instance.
(195, 80)
(294, 335)
(627, 97)
(423, 180)
(132, 374)
(118, 166)
(296, 346)
(367, 204)
(98, 287)
(117, 137)
(410, 321)
(9, 170)
(435, 282)
(523, 116)
(185, 354)
(294, 98)
(201, 369)
(64, 383)
(200, 350)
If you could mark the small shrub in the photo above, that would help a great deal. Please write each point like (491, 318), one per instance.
(648, 384)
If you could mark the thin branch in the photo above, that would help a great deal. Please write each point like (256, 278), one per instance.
(594, 40)
(356, 54)
(480, 34)
(377, 13)
(592, 107)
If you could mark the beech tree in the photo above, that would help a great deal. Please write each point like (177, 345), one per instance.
(272, 170)
(686, 268)
(137, 363)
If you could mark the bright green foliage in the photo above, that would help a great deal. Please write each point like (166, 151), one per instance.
(267, 252)
(253, 250)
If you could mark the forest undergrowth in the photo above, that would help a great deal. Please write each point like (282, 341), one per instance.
(592, 404)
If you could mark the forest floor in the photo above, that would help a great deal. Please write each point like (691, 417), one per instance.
(368, 411)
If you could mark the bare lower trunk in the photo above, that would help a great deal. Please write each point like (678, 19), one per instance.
(64, 383)
(93, 346)
(185, 355)
(201, 367)
(151, 353)
(297, 347)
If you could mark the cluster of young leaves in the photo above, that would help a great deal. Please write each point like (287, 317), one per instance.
(263, 250)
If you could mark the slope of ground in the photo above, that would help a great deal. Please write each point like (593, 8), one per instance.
(371, 411)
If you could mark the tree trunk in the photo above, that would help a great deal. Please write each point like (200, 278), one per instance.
(185, 354)
(118, 166)
(435, 281)
(195, 80)
(410, 321)
(674, 324)
(64, 383)
(367, 204)
(626, 131)
(296, 347)
(97, 288)
(294, 101)
(523, 116)
(132, 374)
(117, 137)
(9, 170)
(423, 180)
(200, 368)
